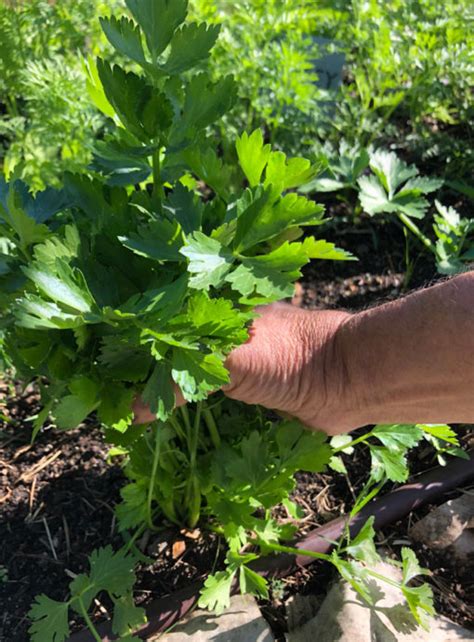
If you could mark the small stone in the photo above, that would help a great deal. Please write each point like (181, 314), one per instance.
(241, 622)
(449, 527)
(157, 548)
(193, 534)
(300, 609)
(178, 548)
(344, 617)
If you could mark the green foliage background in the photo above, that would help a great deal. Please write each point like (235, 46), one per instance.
(47, 123)
(408, 76)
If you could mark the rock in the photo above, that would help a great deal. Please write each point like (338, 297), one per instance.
(300, 609)
(242, 622)
(343, 617)
(449, 527)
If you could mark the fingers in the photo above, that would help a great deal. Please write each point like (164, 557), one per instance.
(141, 412)
(249, 364)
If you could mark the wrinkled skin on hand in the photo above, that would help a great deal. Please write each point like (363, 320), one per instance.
(291, 363)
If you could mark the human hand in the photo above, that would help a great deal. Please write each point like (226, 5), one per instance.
(292, 364)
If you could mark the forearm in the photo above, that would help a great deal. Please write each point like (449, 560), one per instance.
(412, 360)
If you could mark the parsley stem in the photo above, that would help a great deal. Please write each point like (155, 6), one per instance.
(177, 427)
(212, 427)
(383, 578)
(128, 545)
(359, 440)
(90, 624)
(194, 444)
(158, 192)
(151, 485)
(406, 220)
(278, 548)
(187, 424)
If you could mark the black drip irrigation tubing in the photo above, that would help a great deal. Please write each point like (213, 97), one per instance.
(164, 612)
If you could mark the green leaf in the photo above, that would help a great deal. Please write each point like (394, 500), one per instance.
(323, 185)
(215, 595)
(25, 227)
(161, 240)
(50, 622)
(373, 197)
(209, 262)
(344, 442)
(294, 510)
(354, 573)
(158, 392)
(262, 220)
(158, 19)
(56, 247)
(362, 547)
(283, 174)
(301, 449)
(190, 45)
(217, 318)
(421, 602)
(208, 167)
(95, 88)
(411, 567)
(249, 469)
(205, 101)
(273, 275)
(35, 313)
(390, 170)
(74, 408)
(420, 185)
(119, 165)
(447, 215)
(440, 431)
(132, 511)
(41, 206)
(63, 285)
(124, 360)
(187, 208)
(143, 110)
(253, 156)
(41, 420)
(109, 571)
(253, 278)
(395, 188)
(196, 374)
(419, 598)
(398, 436)
(325, 250)
(115, 409)
(125, 36)
(164, 302)
(252, 583)
(393, 464)
(127, 617)
(336, 464)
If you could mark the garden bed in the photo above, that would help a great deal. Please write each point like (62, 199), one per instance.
(57, 497)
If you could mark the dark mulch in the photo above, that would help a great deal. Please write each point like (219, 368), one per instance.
(57, 497)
